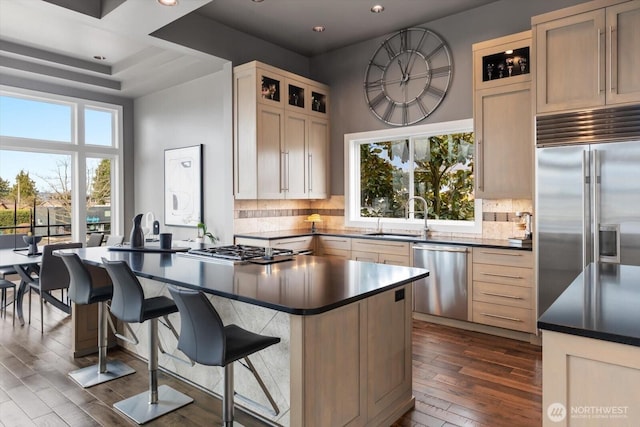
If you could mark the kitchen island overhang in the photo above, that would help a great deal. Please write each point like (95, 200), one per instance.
(345, 328)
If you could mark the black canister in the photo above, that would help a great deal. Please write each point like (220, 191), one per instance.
(136, 239)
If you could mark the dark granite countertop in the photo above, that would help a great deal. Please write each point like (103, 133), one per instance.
(603, 302)
(462, 241)
(306, 285)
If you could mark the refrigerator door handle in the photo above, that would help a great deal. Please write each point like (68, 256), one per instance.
(596, 204)
(586, 206)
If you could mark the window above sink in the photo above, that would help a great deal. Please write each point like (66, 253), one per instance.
(388, 167)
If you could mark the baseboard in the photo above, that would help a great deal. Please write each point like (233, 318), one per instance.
(477, 327)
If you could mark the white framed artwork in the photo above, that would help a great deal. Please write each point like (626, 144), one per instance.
(183, 186)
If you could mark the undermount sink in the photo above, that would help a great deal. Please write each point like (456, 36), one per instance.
(393, 235)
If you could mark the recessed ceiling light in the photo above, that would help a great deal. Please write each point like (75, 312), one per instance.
(318, 28)
(508, 52)
(377, 8)
(168, 2)
(99, 57)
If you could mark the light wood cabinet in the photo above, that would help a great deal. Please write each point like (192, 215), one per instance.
(334, 246)
(503, 292)
(582, 373)
(300, 243)
(389, 350)
(281, 134)
(294, 243)
(384, 252)
(318, 158)
(355, 360)
(503, 119)
(587, 56)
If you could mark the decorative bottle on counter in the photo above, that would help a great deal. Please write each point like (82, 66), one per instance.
(136, 238)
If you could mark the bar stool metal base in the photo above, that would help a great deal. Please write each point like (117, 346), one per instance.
(91, 376)
(141, 411)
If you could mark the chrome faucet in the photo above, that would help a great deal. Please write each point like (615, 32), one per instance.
(425, 210)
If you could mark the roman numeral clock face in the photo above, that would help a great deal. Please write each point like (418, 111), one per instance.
(408, 76)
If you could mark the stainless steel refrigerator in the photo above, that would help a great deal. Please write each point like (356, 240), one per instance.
(587, 194)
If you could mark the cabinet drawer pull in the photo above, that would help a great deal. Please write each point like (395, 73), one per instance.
(502, 253)
(289, 242)
(497, 316)
(501, 295)
(509, 276)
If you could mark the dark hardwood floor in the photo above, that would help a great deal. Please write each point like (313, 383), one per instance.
(464, 378)
(460, 378)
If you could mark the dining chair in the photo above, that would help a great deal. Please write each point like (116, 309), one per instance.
(95, 239)
(114, 240)
(53, 275)
(10, 241)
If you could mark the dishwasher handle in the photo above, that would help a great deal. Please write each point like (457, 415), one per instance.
(441, 248)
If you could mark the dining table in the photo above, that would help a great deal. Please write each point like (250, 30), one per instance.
(26, 266)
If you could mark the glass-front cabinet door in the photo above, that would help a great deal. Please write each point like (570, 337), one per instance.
(270, 88)
(319, 105)
(296, 99)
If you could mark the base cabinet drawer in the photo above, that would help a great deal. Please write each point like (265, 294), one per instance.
(380, 247)
(509, 257)
(517, 276)
(293, 243)
(502, 316)
(334, 246)
(396, 253)
(334, 242)
(493, 293)
(393, 259)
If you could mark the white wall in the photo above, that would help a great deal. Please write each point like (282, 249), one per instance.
(197, 112)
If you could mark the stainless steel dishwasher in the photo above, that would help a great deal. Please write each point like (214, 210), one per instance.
(444, 292)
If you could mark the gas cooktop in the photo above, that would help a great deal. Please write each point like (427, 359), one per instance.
(242, 253)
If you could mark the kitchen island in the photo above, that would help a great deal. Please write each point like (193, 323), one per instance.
(345, 326)
(591, 350)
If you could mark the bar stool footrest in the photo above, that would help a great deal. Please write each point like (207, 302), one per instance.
(91, 376)
(141, 411)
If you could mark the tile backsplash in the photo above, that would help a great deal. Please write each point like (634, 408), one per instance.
(499, 216)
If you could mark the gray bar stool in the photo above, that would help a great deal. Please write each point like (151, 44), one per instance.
(207, 341)
(129, 305)
(82, 291)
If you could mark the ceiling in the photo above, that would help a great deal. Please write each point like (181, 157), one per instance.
(289, 23)
(56, 40)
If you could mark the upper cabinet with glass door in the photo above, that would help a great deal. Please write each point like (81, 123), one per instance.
(506, 60)
(587, 56)
(307, 98)
(502, 118)
(270, 88)
(281, 134)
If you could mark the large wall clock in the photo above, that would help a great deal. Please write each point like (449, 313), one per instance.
(408, 76)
